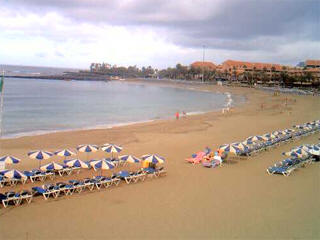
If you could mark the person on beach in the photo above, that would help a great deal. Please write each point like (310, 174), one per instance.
(177, 115)
(184, 114)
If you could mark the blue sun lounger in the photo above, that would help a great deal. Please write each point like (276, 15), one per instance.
(10, 198)
(26, 195)
(150, 171)
(284, 170)
(77, 185)
(46, 191)
(126, 176)
(66, 189)
(103, 181)
(89, 183)
(115, 179)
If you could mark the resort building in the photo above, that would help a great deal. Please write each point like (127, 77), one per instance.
(312, 63)
(266, 73)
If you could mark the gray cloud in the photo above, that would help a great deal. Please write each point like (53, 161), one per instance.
(251, 25)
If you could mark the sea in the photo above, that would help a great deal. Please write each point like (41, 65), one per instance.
(36, 106)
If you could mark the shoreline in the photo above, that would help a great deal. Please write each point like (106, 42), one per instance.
(228, 104)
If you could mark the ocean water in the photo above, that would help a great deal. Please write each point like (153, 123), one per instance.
(33, 106)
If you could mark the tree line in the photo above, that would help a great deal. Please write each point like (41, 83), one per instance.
(285, 77)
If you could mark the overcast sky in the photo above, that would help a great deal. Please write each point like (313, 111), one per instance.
(161, 33)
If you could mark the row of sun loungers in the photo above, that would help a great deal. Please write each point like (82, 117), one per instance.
(299, 157)
(77, 186)
(37, 175)
(276, 138)
(287, 166)
(15, 198)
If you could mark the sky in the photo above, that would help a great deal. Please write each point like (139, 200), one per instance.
(160, 33)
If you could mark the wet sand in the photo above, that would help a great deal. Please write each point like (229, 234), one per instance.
(239, 200)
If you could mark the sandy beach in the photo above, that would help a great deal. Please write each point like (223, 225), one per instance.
(239, 200)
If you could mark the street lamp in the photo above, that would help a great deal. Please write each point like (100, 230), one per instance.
(203, 48)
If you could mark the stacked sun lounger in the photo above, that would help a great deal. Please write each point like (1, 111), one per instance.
(299, 157)
(256, 144)
(77, 186)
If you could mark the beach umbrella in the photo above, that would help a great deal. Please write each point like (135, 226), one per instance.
(152, 158)
(289, 130)
(298, 153)
(312, 149)
(230, 148)
(9, 159)
(277, 133)
(111, 148)
(102, 164)
(130, 159)
(51, 166)
(87, 149)
(76, 163)
(268, 136)
(315, 151)
(253, 139)
(298, 126)
(13, 174)
(39, 155)
(241, 146)
(64, 153)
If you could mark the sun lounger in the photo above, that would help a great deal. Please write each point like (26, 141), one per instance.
(78, 186)
(26, 195)
(4, 200)
(66, 189)
(45, 192)
(160, 171)
(141, 175)
(88, 183)
(284, 170)
(197, 158)
(151, 172)
(41, 175)
(106, 182)
(115, 179)
(13, 198)
(35, 176)
(64, 171)
(10, 197)
(126, 176)
(97, 182)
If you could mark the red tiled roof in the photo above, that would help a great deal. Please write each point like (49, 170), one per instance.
(313, 62)
(251, 65)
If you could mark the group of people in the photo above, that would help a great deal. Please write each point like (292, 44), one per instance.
(178, 114)
(214, 159)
